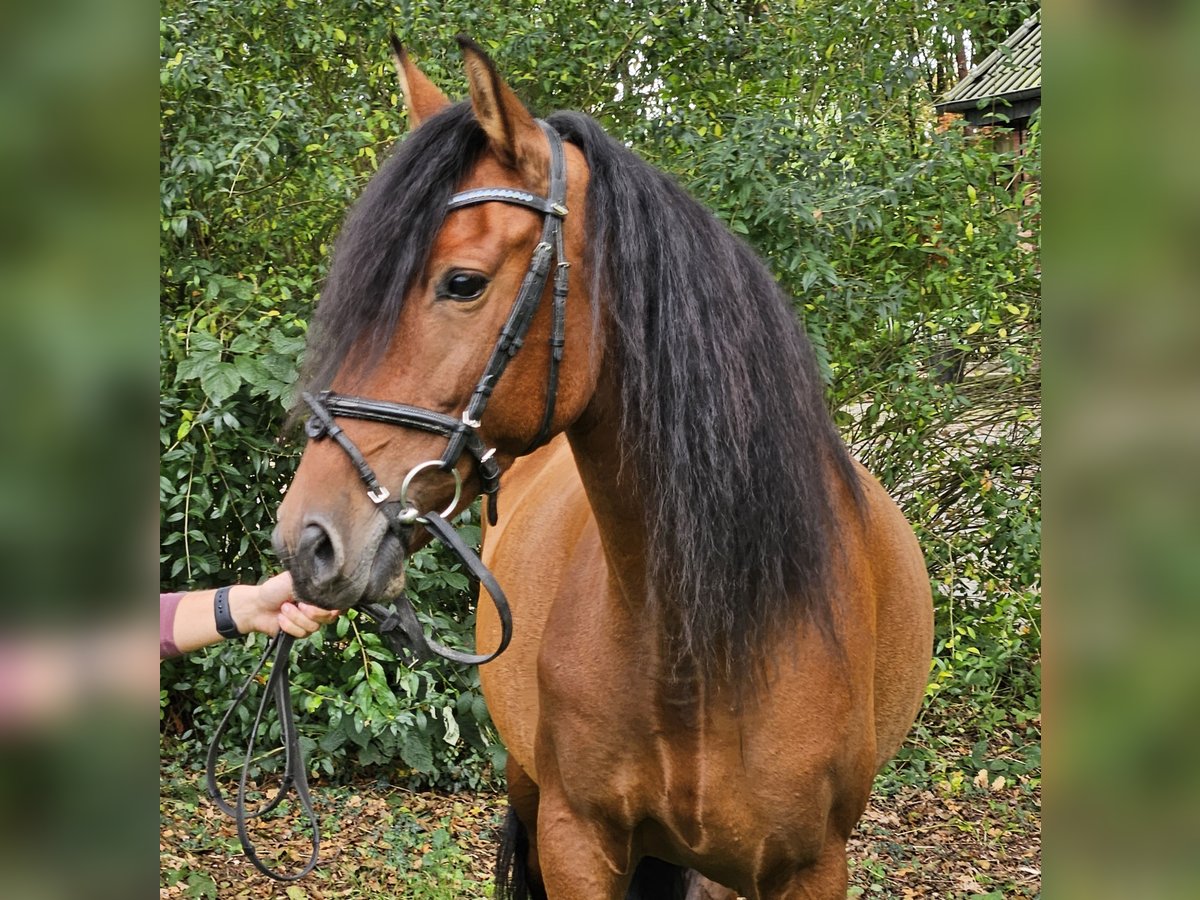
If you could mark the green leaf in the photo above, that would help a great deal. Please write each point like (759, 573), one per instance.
(201, 341)
(200, 884)
(197, 365)
(252, 372)
(456, 580)
(288, 345)
(245, 343)
(220, 382)
(280, 366)
(415, 751)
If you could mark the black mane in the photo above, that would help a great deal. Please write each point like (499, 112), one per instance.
(723, 418)
(385, 241)
(724, 426)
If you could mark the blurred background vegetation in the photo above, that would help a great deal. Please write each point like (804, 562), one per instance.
(910, 245)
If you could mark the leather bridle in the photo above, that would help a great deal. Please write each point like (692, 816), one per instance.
(399, 625)
(462, 434)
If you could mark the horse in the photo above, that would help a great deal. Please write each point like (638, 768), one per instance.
(722, 624)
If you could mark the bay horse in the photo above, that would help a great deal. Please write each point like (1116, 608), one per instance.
(722, 624)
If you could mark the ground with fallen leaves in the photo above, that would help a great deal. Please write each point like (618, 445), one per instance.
(971, 839)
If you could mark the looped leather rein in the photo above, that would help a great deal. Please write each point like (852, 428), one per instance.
(402, 631)
(295, 774)
(400, 627)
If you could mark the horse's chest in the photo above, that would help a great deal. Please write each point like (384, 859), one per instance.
(689, 769)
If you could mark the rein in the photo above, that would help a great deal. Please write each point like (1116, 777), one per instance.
(399, 625)
(402, 631)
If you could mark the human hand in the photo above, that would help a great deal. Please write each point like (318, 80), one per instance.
(273, 607)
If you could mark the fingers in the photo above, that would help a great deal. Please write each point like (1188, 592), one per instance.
(318, 613)
(301, 620)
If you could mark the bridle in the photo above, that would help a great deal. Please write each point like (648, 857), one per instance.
(462, 434)
(399, 625)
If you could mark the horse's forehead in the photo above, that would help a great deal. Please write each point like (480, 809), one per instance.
(487, 230)
(495, 228)
(488, 171)
(497, 224)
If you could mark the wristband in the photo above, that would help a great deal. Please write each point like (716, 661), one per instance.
(225, 624)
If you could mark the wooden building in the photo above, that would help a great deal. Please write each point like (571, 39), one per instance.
(1006, 88)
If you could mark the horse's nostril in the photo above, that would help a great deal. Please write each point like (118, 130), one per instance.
(319, 553)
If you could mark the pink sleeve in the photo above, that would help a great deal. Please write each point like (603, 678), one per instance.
(167, 604)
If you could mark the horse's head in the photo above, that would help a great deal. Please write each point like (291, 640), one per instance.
(426, 274)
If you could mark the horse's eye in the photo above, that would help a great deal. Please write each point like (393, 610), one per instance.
(463, 286)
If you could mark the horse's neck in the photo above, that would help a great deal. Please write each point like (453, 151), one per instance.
(614, 499)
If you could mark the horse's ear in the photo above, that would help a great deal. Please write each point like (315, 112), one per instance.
(421, 96)
(513, 134)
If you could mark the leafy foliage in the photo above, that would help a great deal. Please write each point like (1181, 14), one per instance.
(910, 244)
(359, 706)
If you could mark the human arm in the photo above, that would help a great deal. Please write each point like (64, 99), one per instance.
(268, 608)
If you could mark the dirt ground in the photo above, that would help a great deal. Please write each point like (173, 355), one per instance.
(981, 841)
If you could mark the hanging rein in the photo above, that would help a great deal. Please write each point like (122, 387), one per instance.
(399, 625)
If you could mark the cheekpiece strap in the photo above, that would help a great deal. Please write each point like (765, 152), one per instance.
(550, 247)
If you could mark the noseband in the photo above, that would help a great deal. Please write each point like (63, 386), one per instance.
(462, 434)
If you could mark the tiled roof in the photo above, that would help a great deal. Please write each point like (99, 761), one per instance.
(1012, 72)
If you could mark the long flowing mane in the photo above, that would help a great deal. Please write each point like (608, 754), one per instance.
(724, 427)
(724, 424)
(384, 243)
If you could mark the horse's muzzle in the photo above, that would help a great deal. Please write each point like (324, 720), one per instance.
(328, 573)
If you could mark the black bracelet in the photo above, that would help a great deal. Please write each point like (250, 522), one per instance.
(225, 624)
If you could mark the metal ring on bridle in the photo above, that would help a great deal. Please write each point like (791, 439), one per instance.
(410, 513)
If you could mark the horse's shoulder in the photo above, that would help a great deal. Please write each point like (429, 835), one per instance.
(541, 498)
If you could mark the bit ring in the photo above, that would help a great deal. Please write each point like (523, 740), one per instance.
(409, 513)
